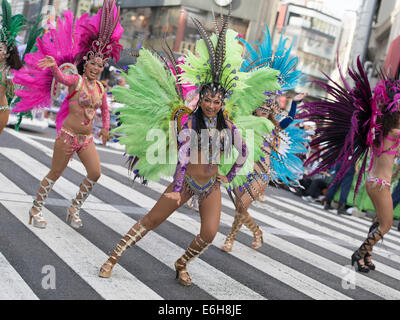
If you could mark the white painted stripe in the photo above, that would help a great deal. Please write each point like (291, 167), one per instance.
(320, 262)
(374, 289)
(331, 232)
(312, 258)
(363, 281)
(273, 268)
(82, 256)
(356, 222)
(211, 280)
(13, 287)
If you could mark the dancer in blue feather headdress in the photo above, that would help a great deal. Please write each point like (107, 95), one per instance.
(280, 163)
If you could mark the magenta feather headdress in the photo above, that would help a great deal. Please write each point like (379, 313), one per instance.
(349, 122)
(98, 36)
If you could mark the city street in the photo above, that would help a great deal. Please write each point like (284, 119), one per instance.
(305, 255)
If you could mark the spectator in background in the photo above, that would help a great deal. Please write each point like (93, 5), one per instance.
(315, 190)
(345, 185)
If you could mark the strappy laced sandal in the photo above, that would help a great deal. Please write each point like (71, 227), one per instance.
(73, 218)
(37, 218)
(131, 238)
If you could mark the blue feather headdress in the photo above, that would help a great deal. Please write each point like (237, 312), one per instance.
(280, 60)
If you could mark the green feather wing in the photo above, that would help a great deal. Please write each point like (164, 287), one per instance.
(253, 129)
(197, 69)
(35, 32)
(11, 25)
(244, 102)
(149, 104)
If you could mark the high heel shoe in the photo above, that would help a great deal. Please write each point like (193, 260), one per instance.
(37, 218)
(368, 261)
(258, 239)
(105, 272)
(74, 219)
(227, 246)
(182, 275)
(196, 248)
(136, 233)
(230, 238)
(356, 258)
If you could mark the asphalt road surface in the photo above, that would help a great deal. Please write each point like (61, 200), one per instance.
(305, 255)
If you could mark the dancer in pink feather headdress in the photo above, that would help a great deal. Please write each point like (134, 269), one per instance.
(355, 122)
(73, 54)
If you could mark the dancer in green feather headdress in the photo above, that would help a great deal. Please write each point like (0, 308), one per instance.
(9, 58)
(205, 135)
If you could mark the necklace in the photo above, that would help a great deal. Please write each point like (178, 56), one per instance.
(212, 151)
(90, 84)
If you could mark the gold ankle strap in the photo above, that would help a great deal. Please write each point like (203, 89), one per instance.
(191, 253)
(132, 239)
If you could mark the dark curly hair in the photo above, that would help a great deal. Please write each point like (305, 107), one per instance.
(14, 60)
(389, 121)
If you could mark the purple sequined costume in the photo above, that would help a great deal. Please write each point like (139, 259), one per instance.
(183, 183)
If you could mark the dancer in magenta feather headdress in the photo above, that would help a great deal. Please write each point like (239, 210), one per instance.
(355, 121)
(72, 54)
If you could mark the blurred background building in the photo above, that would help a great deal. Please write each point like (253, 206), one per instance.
(315, 37)
(149, 21)
(383, 49)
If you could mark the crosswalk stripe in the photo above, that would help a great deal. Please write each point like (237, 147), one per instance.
(214, 282)
(361, 224)
(361, 280)
(288, 247)
(257, 260)
(13, 287)
(280, 271)
(303, 254)
(82, 256)
(312, 224)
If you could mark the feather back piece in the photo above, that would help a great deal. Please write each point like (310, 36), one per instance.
(98, 36)
(281, 60)
(217, 60)
(349, 122)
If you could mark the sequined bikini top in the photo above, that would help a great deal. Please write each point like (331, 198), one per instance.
(88, 99)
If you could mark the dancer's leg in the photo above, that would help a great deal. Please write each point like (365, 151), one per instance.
(383, 204)
(157, 215)
(210, 214)
(90, 159)
(3, 119)
(61, 155)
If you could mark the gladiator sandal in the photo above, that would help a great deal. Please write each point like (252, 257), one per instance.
(373, 237)
(37, 218)
(368, 256)
(237, 224)
(257, 232)
(132, 237)
(197, 247)
(73, 217)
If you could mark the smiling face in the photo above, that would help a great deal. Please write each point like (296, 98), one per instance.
(93, 68)
(211, 103)
(3, 52)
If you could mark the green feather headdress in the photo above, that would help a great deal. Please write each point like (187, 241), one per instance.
(11, 25)
(217, 60)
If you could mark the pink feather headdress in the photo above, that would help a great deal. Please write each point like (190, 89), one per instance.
(98, 36)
